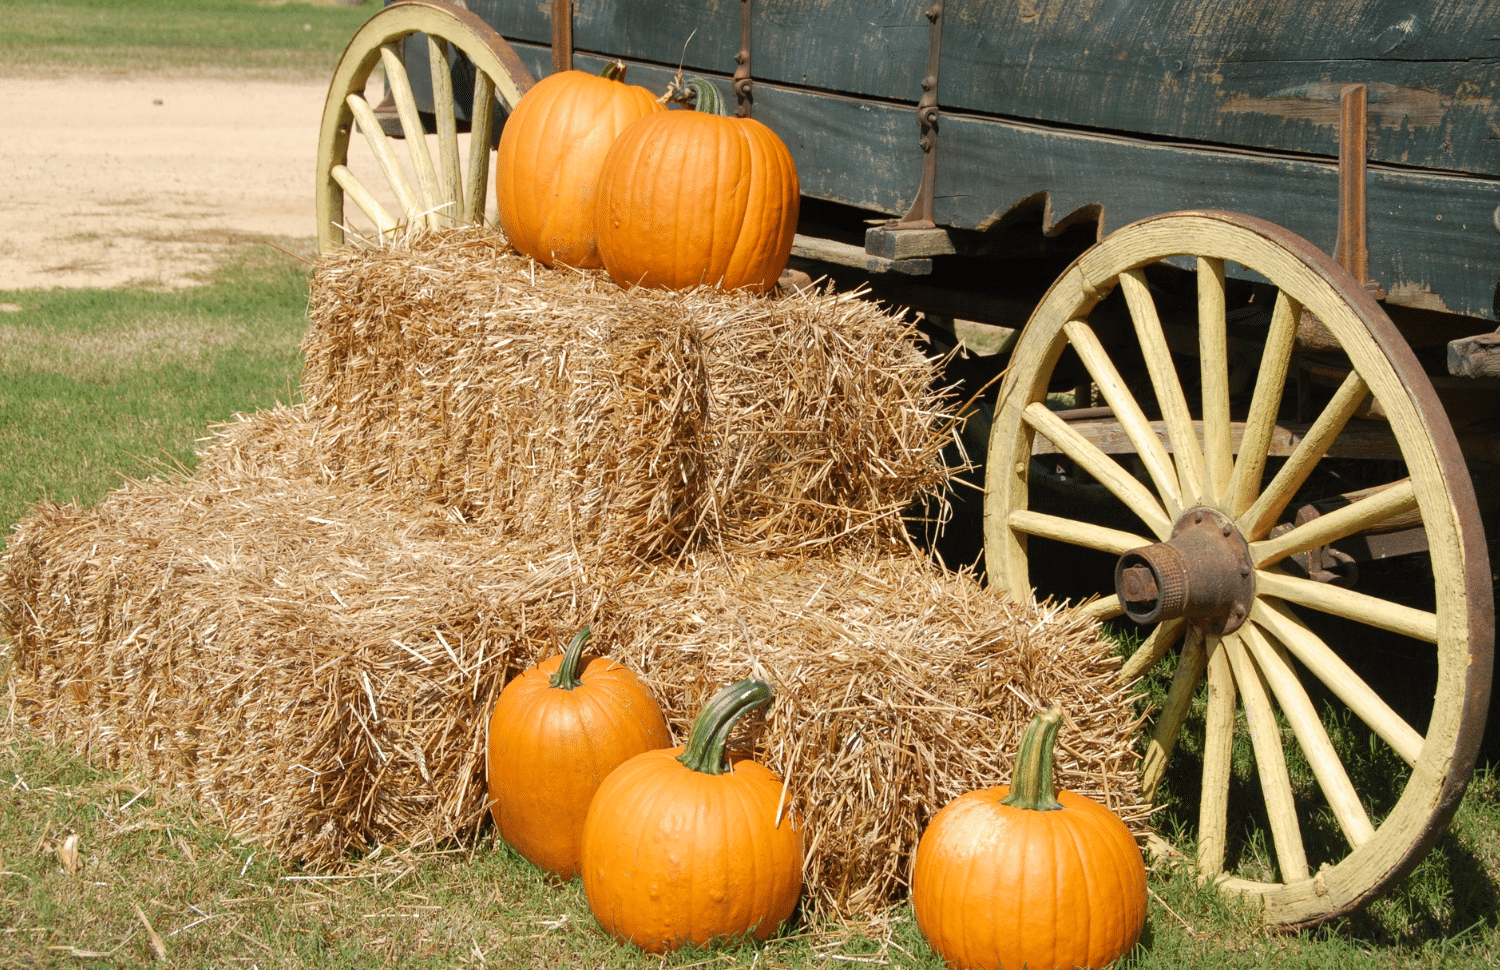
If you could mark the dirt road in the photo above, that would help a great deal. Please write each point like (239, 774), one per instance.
(109, 181)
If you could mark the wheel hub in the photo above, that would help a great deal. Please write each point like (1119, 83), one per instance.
(1202, 573)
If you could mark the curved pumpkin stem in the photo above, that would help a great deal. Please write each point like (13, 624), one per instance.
(613, 71)
(710, 732)
(567, 672)
(1031, 788)
(696, 93)
(706, 97)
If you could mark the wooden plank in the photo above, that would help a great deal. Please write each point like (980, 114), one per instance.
(1477, 356)
(844, 254)
(906, 243)
(1206, 72)
(1432, 239)
(1362, 439)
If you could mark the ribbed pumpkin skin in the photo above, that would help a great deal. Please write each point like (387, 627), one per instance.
(549, 749)
(547, 168)
(674, 856)
(1000, 887)
(688, 198)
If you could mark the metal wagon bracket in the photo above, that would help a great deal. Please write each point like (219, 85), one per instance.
(919, 216)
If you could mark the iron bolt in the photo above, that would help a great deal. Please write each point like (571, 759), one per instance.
(1138, 585)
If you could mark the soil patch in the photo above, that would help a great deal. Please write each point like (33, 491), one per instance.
(149, 181)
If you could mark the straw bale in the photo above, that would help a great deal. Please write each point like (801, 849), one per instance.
(313, 660)
(309, 632)
(898, 688)
(641, 422)
(319, 662)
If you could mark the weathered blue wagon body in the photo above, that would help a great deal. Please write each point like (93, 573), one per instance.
(1109, 111)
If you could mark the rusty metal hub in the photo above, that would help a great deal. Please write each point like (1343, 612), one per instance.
(1203, 572)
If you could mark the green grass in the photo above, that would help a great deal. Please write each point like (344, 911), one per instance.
(96, 384)
(215, 902)
(279, 39)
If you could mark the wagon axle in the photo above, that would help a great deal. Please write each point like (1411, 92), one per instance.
(1203, 573)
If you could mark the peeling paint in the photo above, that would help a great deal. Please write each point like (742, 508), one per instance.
(1415, 295)
(1389, 105)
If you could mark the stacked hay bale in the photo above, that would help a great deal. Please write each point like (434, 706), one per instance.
(550, 404)
(310, 631)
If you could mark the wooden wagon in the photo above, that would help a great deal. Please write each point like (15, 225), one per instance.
(1239, 264)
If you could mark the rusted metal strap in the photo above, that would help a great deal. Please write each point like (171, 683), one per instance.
(562, 36)
(743, 95)
(919, 216)
(1352, 249)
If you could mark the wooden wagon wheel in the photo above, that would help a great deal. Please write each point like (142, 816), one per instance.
(1209, 566)
(438, 193)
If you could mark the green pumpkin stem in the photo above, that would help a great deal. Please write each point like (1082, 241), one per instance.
(567, 671)
(613, 71)
(706, 97)
(1031, 787)
(696, 94)
(710, 732)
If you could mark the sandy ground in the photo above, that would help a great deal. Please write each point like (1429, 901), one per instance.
(146, 180)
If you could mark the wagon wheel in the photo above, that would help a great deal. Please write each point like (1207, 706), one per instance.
(1224, 586)
(436, 193)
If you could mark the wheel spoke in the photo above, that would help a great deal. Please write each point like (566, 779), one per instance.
(447, 128)
(1308, 727)
(1336, 675)
(1270, 762)
(1137, 428)
(1366, 513)
(1169, 394)
(1174, 712)
(1218, 744)
(1075, 532)
(1103, 608)
(1346, 603)
(1213, 358)
(1258, 519)
(416, 139)
(361, 196)
(1109, 473)
(481, 129)
(380, 147)
(1265, 404)
(1153, 649)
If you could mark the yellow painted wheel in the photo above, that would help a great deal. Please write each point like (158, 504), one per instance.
(434, 189)
(1192, 426)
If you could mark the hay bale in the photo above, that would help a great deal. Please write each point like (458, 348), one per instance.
(255, 644)
(309, 632)
(898, 688)
(319, 663)
(551, 402)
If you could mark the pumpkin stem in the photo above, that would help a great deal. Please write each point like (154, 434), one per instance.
(696, 93)
(613, 71)
(710, 732)
(567, 672)
(706, 97)
(1031, 788)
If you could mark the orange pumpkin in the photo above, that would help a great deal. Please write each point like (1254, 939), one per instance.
(557, 730)
(686, 845)
(1014, 876)
(551, 150)
(694, 197)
